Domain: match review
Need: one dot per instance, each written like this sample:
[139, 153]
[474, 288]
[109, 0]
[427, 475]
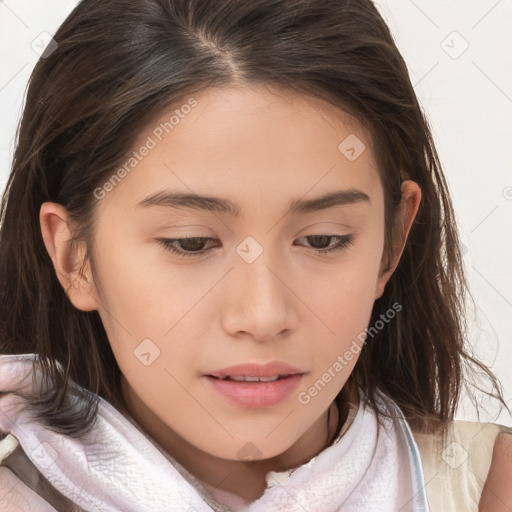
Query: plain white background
[458, 53]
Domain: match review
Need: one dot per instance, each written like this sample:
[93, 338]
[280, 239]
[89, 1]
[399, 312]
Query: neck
[221, 477]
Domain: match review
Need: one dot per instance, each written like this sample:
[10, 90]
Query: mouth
[267, 372]
[254, 386]
[245, 378]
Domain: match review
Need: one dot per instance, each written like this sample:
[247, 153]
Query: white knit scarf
[115, 467]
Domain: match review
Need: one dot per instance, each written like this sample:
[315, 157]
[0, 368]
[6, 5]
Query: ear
[67, 261]
[407, 210]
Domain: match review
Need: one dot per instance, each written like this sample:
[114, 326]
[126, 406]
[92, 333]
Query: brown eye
[186, 246]
[322, 243]
[192, 244]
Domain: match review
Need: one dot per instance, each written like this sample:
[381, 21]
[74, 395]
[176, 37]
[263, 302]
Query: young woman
[230, 276]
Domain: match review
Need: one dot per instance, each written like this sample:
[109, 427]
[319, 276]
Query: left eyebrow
[172, 199]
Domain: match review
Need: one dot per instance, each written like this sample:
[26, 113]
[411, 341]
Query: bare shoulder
[497, 491]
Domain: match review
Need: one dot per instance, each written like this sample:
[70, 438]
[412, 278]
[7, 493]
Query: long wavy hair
[118, 64]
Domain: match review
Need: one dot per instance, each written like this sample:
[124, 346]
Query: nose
[260, 303]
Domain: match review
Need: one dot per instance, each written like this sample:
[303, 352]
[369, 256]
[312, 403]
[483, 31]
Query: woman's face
[241, 171]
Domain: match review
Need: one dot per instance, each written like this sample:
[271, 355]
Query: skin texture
[260, 147]
[497, 491]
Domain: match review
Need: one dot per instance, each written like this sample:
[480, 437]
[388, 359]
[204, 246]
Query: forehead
[261, 108]
[252, 144]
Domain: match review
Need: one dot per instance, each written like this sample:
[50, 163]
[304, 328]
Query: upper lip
[256, 370]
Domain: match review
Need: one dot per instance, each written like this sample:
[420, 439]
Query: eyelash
[168, 243]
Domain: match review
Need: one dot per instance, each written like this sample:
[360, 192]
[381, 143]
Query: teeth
[269, 379]
[255, 379]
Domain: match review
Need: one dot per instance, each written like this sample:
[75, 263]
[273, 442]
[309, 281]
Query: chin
[250, 451]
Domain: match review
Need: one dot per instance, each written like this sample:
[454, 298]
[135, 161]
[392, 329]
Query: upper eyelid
[348, 236]
[174, 238]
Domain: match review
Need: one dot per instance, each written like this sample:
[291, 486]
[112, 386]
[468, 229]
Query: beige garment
[455, 472]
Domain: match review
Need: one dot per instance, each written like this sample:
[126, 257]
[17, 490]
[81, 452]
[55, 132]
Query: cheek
[346, 312]
[343, 299]
[145, 299]
[344, 294]
[134, 281]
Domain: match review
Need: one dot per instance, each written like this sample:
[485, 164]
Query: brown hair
[117, 65]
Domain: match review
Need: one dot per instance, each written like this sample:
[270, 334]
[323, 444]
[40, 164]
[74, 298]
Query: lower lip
[256, 395]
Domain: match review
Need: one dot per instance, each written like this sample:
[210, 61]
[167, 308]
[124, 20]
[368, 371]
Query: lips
[256, 386]
[251, 379]
[273, 369]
